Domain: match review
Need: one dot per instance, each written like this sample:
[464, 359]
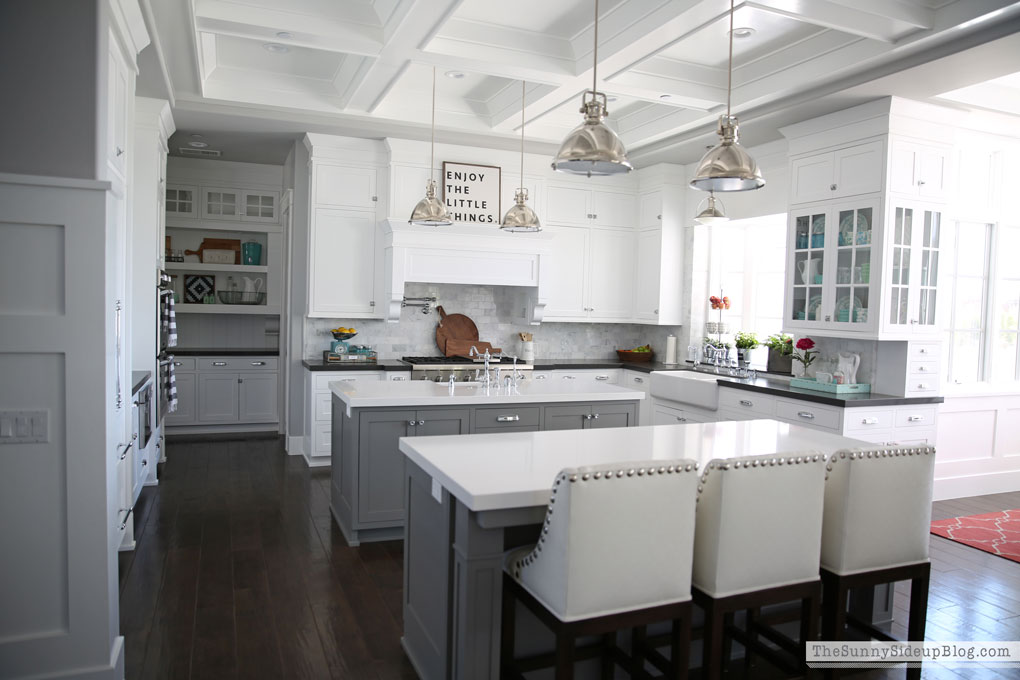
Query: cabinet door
[856, 239]
[811, 178]
[612, 415]
[571, 205]
[899, 299]
[261, 206]
[217, 397]
[342, 273]
[453, 421]
[805, 272]
[647, 277]
[221, 204]
[181, 200]
[566, 417]
[858, 169]
[917, 169]
[381, 465]
[117, 113]
[932, 172]
[611, 272]
[612, 209]
[665, 415]
[341, 186]
[257, 402]
[187, 401]
[650, 211]
[568, 291]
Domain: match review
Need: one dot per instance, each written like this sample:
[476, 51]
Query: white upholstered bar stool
[614, 553]
[756, 543]
[875, 531]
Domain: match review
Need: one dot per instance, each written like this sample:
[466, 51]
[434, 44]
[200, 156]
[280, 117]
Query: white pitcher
[808, 269]
[251, 286]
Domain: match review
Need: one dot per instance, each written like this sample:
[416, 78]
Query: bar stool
[875, 530]
[614, 553]
[756, 542]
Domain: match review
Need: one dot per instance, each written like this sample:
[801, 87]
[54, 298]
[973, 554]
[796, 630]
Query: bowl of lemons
[343, 333]
[638, 354]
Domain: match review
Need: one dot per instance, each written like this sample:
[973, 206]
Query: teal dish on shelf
[831, 388]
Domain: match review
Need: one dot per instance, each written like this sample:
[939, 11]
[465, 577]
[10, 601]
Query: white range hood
[465, 254]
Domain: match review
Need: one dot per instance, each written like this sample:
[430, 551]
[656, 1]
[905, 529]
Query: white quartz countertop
[514, 470]
[374, 393]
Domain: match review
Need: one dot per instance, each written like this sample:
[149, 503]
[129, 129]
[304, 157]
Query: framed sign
[472, 193]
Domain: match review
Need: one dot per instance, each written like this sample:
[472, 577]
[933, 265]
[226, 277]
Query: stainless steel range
[439, 369]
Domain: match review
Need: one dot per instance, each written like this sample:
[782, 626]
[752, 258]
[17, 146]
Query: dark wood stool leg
[637, 651]
[918, 613]
[564, 655]
[711, 663]
[727, 641]
[506, 636]
[809, 607]
[680, 646]
[834, 595]
[752, 635]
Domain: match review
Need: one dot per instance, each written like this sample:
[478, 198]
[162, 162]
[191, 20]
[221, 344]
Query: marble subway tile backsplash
[498, 312]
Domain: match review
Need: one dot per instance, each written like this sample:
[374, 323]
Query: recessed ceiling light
[665, 96]
[456, 75]
[284, 35]
[611, 98]
[198, 145]
[276, 48]
[743, 32]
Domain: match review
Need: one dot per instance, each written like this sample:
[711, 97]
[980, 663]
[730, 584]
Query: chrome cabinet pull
[120, 151]
[602, 377]
[123, 523]
[920, 182]
[745, 402]
[869, 421]
[178, 363]
[922, 351]
[219, 363]
[806, 414]
[595, 416]
[832, 187]
[921, 369]
[412, 422]
[144, 462]
[587, 416]
[541, 377]
[421, 422]
[914, 419]
[508, 419]
[568, 377]
[681, 419]
[639, 380]
[127, 447]
[258, 363]
[398, 377]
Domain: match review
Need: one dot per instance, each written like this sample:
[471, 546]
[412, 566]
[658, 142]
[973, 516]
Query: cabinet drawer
[237, 363]
[918, 416]
[322, 380]
[322, 438]
[637, 382]
[507, 417]
[924, 351]
[860, 421]
[923, 385]
[184, 363]
[807, 413]
[924, 368]
[398, 376]
[323, 406]
[743, 401]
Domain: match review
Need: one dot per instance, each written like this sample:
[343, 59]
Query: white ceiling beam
[352, 69]
[653, 123]
[903, 11]
[838, 17]
[348, 42]
[506, 103]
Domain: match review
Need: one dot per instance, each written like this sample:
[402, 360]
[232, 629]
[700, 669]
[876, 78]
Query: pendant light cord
[729, 76]
[595, 67]
[432, 166]
[522, 134]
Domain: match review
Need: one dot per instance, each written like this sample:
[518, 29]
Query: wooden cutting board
[462, 348]
[455, 326]
[218, 244]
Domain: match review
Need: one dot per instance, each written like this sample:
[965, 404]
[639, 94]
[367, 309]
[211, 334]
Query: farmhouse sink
[687, 387]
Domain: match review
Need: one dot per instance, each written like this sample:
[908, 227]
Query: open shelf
[185, 308]
[228, 268]
[222, 225]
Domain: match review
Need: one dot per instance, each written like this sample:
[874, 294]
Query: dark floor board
[241, 572]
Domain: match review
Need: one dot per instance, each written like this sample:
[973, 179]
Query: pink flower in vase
[806, 356]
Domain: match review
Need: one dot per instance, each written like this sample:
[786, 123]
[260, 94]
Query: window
[984, 287]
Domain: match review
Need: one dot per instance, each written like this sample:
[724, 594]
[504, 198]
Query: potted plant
[780, 353]
[745, 342]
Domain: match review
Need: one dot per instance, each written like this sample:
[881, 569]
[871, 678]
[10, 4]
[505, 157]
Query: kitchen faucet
[473, 352]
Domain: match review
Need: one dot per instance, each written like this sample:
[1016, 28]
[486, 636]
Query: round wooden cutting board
[455, 326]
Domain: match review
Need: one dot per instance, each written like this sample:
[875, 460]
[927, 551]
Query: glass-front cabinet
[911, 296]
[830, 283]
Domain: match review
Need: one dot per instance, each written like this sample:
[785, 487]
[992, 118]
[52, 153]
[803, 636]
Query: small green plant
[781, 344]
[745, 340]
[718, 344]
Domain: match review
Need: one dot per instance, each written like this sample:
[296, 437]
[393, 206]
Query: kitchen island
[367, 496]
[469, 499]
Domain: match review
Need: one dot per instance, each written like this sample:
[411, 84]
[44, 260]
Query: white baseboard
[976, 485]
[318, 461]
[295, 445]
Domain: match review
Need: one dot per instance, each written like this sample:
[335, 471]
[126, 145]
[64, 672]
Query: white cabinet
[593, 274]
[607, 376]
[202, 201]
[341, 264]
[260, 206]
[849, 171]
[567, 204]
[119, 97]
[911, 274]
[341, 186]
[659, 267]
[672, 413]
[917, 169]
[319, 423]
[221, 203]
[182, 200]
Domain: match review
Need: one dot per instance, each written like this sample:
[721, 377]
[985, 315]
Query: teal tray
[832, 388]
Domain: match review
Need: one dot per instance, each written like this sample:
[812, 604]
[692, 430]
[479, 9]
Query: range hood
[465, 254]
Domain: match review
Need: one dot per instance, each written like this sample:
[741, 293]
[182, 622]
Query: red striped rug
[995, 532]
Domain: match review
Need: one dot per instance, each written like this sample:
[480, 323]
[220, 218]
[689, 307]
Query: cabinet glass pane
[180, 200]
[900, 275]
[221, 203]
[853, 266]
[258, 206]
[929, 267]
[809, 270]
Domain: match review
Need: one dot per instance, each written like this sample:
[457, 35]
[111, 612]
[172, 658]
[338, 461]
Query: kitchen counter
[425, 393]
[568, 364]
[782, 388]
[387, 365]
[222, 352]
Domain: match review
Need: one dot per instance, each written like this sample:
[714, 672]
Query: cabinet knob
[832, 187]
[421, 422]
[589, 216]
[746, 402]
[658, 217]
[920, 182]
[120, 151]
[375, 199]
[371, 303]
[639, 380]
[595, 416]
[681, 419]
[828, 318]
[412, 423]
[239, 381]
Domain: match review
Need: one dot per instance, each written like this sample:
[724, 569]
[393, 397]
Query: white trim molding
[978, 446]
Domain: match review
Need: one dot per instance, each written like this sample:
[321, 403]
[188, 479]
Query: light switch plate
[24, 427]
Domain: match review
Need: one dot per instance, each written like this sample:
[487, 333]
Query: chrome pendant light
[592, 148]
[714, 212]
[520, 217]
[430, 211]
[727, 166]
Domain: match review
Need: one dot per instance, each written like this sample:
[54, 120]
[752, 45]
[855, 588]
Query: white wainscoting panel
[978, 446]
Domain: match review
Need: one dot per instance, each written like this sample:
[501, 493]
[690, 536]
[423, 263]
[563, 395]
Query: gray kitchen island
[367, 496]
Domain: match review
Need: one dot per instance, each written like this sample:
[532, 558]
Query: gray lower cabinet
[368, 479]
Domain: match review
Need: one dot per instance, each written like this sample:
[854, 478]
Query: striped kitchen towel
[168, 324]
[170, 385]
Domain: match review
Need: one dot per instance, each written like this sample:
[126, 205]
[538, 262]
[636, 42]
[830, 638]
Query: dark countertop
[386, 365]
[221, 352]
[138, 380]
[781, 388]
[567, 364]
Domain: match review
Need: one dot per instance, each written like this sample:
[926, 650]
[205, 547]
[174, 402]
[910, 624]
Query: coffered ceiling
[364, 67]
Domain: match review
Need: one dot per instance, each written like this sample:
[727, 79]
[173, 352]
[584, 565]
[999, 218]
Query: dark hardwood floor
[240, 572]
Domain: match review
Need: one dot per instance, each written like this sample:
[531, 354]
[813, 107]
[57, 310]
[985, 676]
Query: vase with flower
[806, 354]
